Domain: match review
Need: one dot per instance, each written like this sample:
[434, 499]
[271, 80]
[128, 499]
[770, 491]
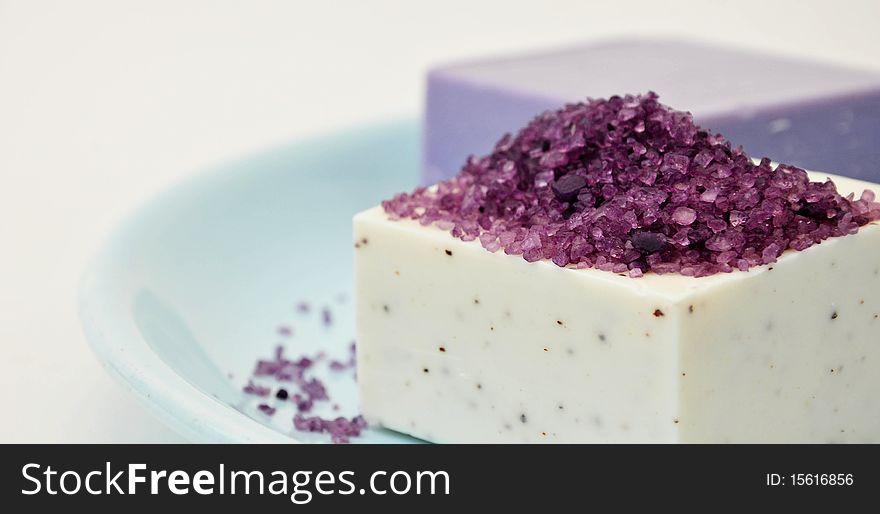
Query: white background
[102, 104]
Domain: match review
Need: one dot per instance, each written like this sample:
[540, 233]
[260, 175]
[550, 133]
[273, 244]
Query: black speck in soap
[386, 308]
[658, 313]
[602, 337]
[442, 349]
[476, 301]
[690, 309]
[560, 407]
[834, 315]
[449, 253]
[522, 418]
[425, 370]
[559, 322]
[479, 386]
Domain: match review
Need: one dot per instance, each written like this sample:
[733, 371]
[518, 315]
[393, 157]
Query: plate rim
[186, 409]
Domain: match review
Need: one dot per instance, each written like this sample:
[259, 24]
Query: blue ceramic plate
[191, 290]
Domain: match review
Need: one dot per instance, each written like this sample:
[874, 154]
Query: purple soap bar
[813, 115]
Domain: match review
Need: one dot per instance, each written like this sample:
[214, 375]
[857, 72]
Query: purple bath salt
[813, 115]
[266, 409]
[628, 184]
[315, 389]
[340, 429]
[282, 368]
[336, 365]
[303, 403]
[305, 391]
[256, 389]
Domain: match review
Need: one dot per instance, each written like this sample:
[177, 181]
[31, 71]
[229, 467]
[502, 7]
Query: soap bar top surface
[672, 287]
[628, 184]
[702, 78]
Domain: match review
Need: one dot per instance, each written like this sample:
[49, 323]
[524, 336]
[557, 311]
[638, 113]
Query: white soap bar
[457, 344]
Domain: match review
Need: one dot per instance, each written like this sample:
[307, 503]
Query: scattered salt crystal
[256, 389]
[684, 215]
[340, 429]
[770, 253]
[567, 187]
[709, 195]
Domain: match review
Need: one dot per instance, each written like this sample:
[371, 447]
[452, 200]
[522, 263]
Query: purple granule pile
[629, 185]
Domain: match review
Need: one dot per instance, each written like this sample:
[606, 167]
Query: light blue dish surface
[190, 291]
